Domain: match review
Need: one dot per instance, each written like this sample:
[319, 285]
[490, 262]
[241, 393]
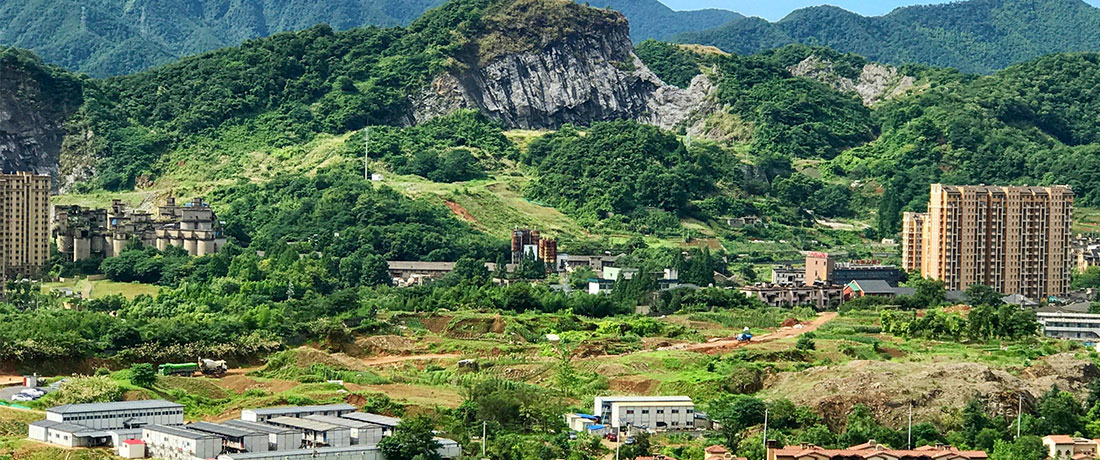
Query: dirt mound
[240, 383]
[789, 322]
[634, 385]
[888, 387]
[386, 345]
[461, 212]
[436, 324]
[305, 356]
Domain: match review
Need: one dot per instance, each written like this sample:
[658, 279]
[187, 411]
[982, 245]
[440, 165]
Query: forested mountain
[977, 36]
[114, 37]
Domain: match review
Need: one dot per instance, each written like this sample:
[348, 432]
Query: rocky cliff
[577, 78]
[876, 82]
[35, 103]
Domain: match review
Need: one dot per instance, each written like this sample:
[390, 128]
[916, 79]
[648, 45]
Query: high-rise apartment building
[1014, 239]
[24, 224]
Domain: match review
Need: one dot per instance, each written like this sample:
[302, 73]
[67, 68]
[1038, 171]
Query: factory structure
[528, 243]
[83, 233]
[155, 428]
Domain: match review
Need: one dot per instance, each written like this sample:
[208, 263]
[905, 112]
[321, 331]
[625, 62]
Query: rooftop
[179, 432]
[373, 418]
[115, 406]
[259, 427]
[305, 424]
[321, 451]
[615, 399]
[341, 421]
[872, 449]
[299, 409]
[221, 430]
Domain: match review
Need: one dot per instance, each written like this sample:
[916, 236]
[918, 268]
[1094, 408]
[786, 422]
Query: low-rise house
[362, 433]
[132, 448]
[874, 288]
[870, 450]
[1060, 446]
[658, 413]
[234, 439]
[265, 414]
[388, 424]
[1083, 327]
[788, 275]
[315, 433]
[178, 443]
[581, 422]
[278, 437]
[817, 296]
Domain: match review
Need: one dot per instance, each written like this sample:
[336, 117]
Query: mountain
[978, 36]
[652, 19]
[115, 37]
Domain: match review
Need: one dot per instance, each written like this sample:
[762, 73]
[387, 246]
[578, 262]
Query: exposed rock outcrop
[875, 83]
[35, 103]
[577, 80]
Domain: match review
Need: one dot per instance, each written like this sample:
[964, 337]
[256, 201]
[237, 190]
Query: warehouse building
[234, 439]
[178, 443]
[388, 424]
[316, 434]
[278, 438]
[263, 415]
[362, 433]
[448, 450]
[646, 412]
[67, 434]
[118, 415]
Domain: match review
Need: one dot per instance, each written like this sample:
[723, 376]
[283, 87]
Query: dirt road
[730, 343]
[385, 360]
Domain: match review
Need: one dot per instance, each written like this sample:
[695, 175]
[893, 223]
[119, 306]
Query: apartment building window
[645, 411]
[630, 412]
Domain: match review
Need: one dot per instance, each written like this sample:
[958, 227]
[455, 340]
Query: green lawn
[104, 288]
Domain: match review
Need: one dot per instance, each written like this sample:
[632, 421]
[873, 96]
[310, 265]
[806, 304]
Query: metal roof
[71, 428]
[341, 421]
[299, 409]
[115, 406]
[260, 427]
[221, 430]
[300, 452]
[179, 432]
[305, 424]
[373, 418]
[615, 399]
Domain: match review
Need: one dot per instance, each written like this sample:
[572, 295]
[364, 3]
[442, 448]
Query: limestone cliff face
[875, 83]
[34, 106]
[578, 80]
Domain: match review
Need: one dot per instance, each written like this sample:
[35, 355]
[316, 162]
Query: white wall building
[278, 437]
[234, 439]
[362, 433]
[178, 443]
[646, 412]
[387, 423]
[316, 434]
[262, 415]
[116, 415]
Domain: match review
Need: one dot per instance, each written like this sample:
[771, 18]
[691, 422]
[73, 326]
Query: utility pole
[483, 440]
[910, 444]
[1019, 413]
[765, 432]
[366, 152]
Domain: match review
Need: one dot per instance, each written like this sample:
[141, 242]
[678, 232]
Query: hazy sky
[774, 10]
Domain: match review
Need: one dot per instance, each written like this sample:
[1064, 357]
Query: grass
[103, 288]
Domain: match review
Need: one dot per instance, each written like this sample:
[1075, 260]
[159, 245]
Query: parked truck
[209, 367]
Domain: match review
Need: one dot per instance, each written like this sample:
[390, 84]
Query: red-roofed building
[871, 450]
[717, 452]
[131, 448]
[1063, 446]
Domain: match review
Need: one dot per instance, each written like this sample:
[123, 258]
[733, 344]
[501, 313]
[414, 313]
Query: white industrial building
[263, 415]
[388, 424]
[102, 424]
[234, 439]
[362, 433]
[317, 434]
[646, 412]
[116, 415]
[448, 449]
[178, 443]
[278, 437]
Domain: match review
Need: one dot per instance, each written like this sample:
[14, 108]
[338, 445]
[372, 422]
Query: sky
[774, 10]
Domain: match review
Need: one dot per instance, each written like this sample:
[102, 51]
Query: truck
[744, 336]
[216, 368]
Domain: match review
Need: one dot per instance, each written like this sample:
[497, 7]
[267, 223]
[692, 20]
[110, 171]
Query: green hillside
[977, 36]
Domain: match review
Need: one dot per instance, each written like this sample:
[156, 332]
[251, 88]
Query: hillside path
[730, 343]
[384, 360]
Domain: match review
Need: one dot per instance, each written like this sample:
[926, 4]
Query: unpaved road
[730, 343]
[385, 360]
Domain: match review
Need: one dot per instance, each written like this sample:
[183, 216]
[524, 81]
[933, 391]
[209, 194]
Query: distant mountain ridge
[978, 36]
[115, 37]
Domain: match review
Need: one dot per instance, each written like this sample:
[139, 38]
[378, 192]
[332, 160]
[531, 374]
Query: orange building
[871, 451]
[1013, 239]
[24, 224]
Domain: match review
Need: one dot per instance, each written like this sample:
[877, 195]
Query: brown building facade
[1014, 239]
[24, 224]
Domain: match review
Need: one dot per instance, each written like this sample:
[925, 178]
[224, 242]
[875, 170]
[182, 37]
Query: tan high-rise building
[24, 224]
[1014, 239]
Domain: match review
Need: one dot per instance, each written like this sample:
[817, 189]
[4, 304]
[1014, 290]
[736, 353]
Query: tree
[928, 293]
[143, 375]
[1024, 448]
[412, 439]
[980, 294]
[1060, 412]
[470, 270]
[805, 342]
[736, 413]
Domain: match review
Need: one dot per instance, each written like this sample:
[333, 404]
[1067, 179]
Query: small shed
[132, 448]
